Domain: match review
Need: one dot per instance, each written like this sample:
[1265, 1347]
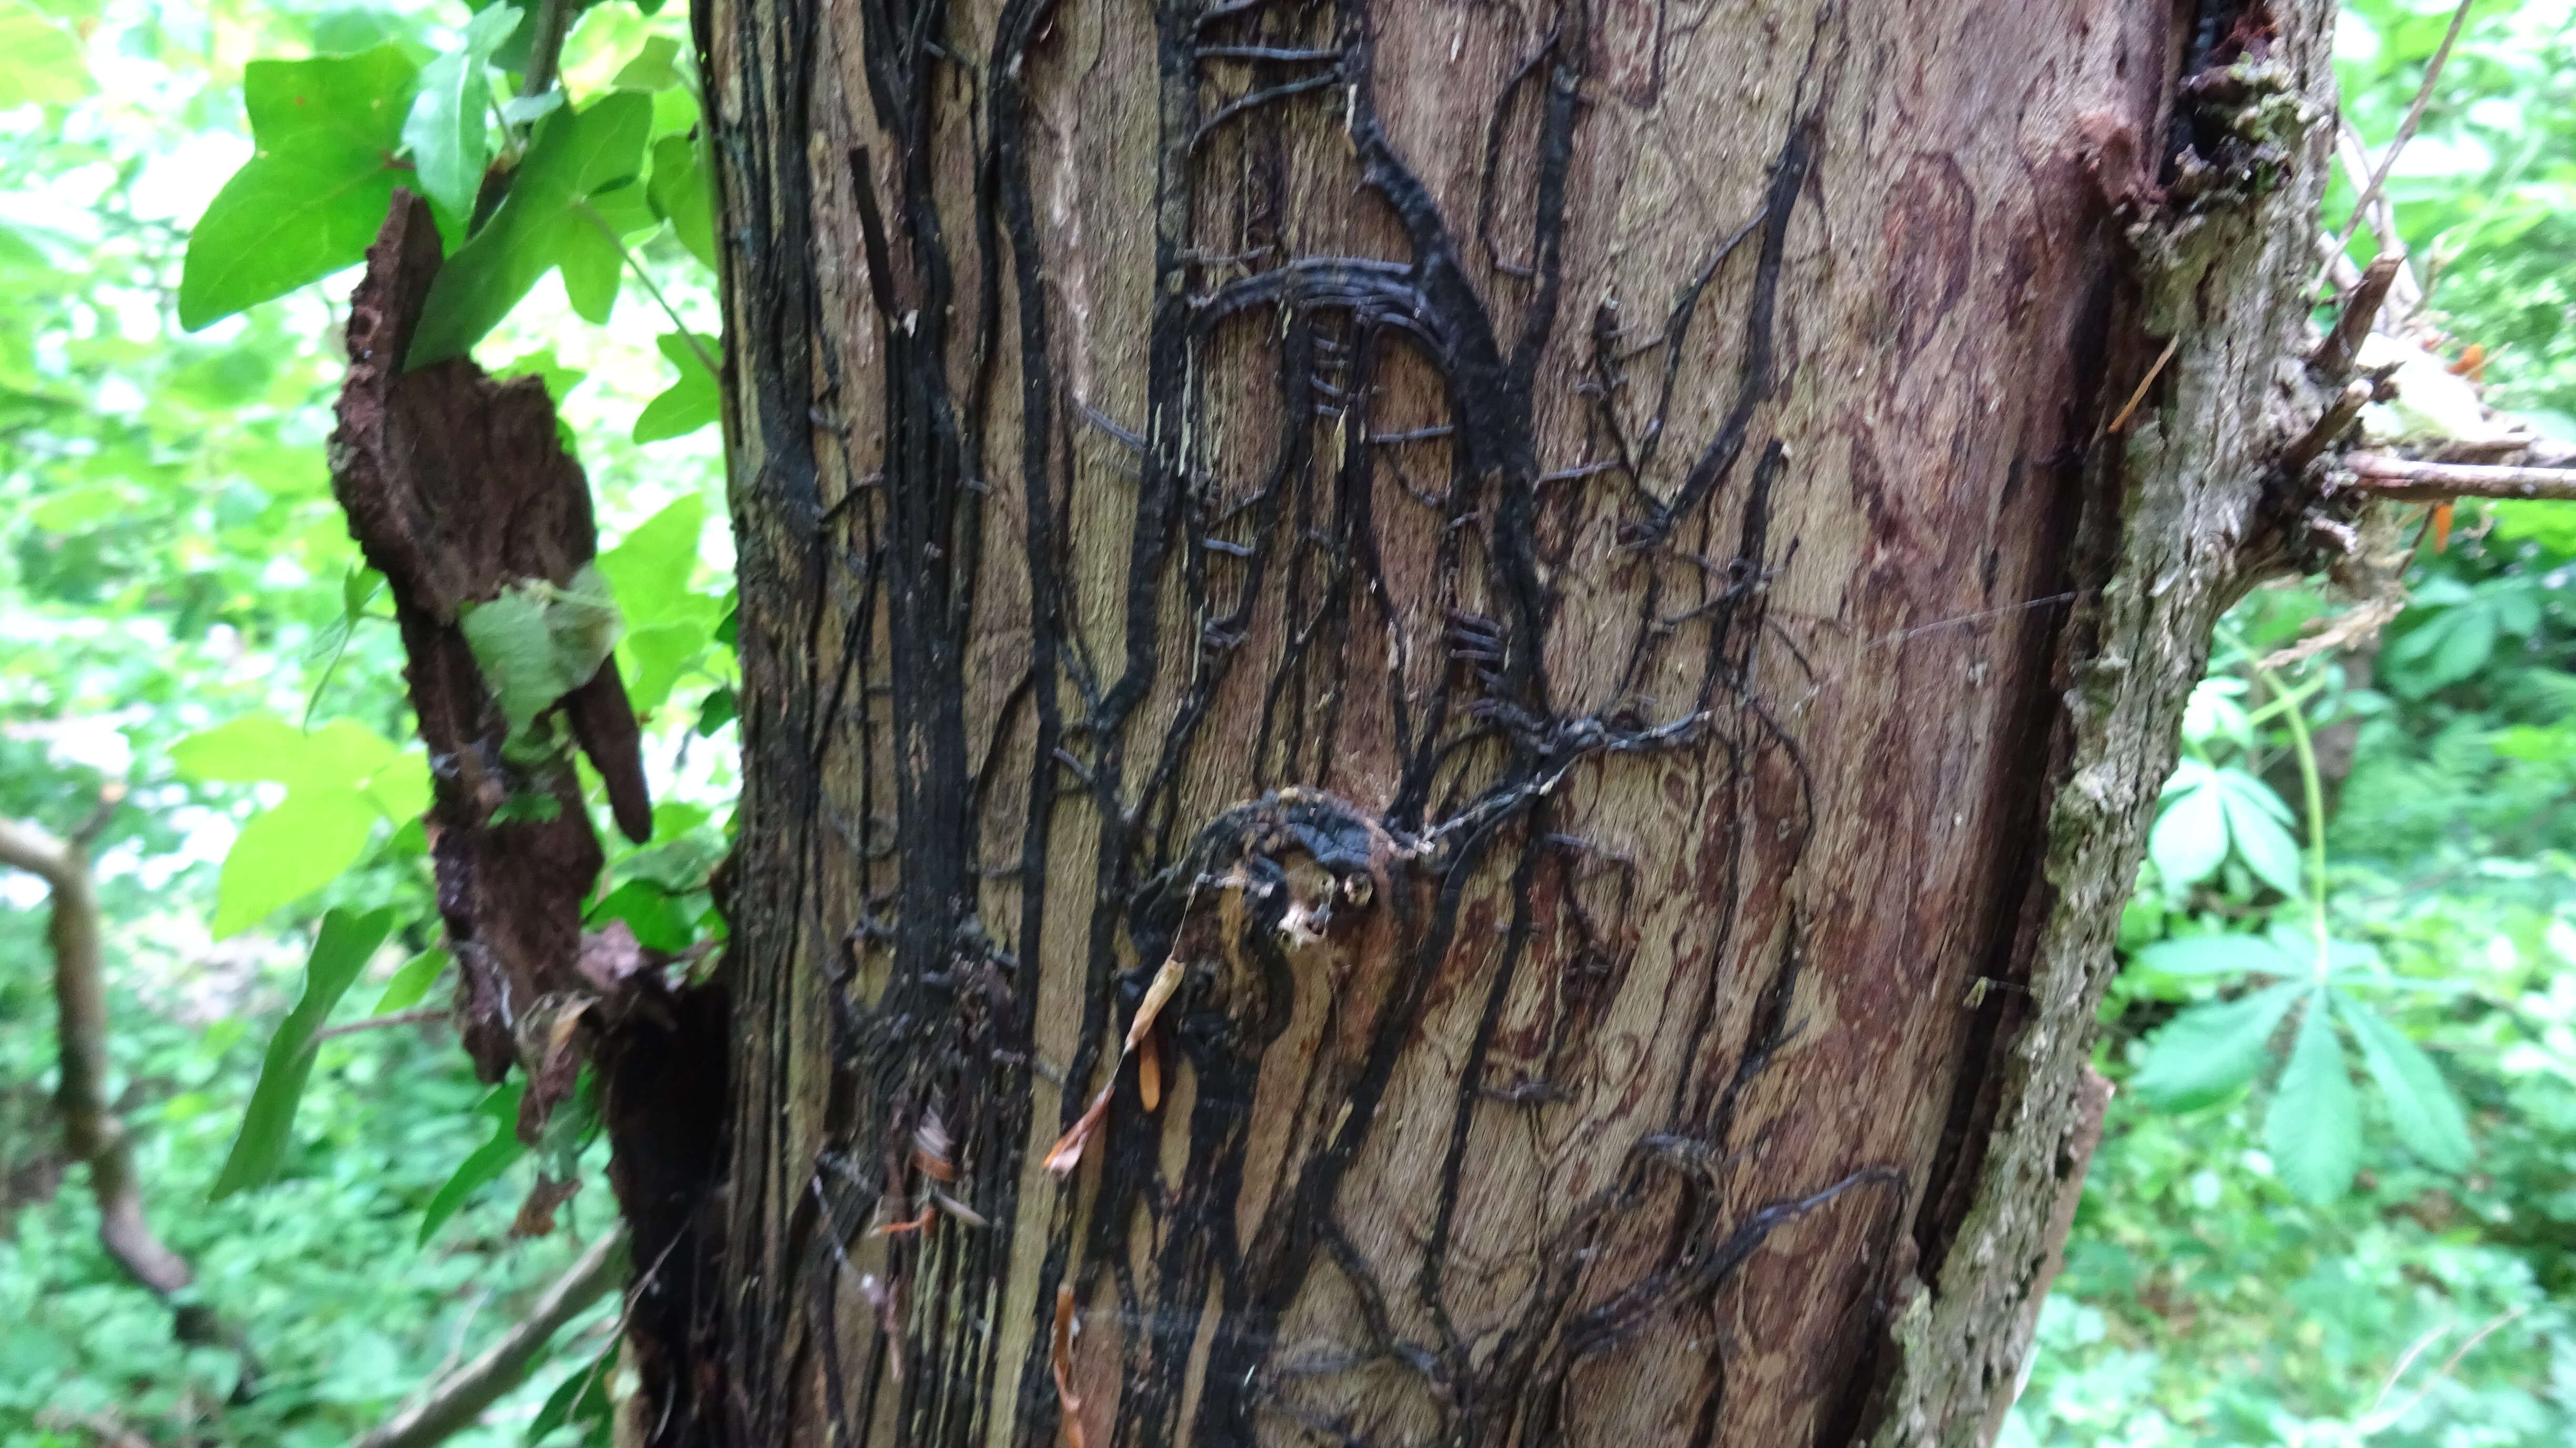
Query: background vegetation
[2337, 1196]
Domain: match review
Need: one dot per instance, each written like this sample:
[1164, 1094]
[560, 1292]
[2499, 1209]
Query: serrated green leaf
[485, 1165]
[447, 130]
[2266, 847]
[2425, 1114]
[716, 712]
[313, 197]
[2190, 836]
[690, 403]
[340, 951]
[2219, 955]
[40, 62]
[682, 194]
[572, 155]
[287, 853]
[2313, 1127]
[413, 981]
[2209, 1052]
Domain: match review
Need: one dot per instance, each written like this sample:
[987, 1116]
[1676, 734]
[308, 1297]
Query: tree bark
[1521, 630]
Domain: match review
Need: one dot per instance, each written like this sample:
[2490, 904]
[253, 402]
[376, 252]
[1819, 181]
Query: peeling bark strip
[1443, 726]
[456, 489]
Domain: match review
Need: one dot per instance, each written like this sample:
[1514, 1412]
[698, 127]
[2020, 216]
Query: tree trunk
[1540, 637]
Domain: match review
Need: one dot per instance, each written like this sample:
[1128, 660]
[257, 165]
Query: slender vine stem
[2313, 785]
[591, 213]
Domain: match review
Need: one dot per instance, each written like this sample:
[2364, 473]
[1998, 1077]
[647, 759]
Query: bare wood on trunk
[1520, 600]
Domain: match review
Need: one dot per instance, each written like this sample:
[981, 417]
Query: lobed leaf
[2313, 1127]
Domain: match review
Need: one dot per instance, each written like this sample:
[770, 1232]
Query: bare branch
[92, 1132]
[374, 1023]
[454, 1403]
[2411, 481]
[2336, 354]
[2406, 128]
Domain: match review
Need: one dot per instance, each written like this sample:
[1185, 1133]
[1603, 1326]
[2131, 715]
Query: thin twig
[92, 1132]
[2144, 383]
[586, 209]
[2406, 128]
[454, 1404]
[2410, 480]
[376, 1023]
[545, 46]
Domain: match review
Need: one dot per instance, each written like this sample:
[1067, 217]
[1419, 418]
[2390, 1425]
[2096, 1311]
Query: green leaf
[448, 130]
[2190, 837]
[340, 951]
[573, 155]
[650, 567]
[2209, 1052]
[2427, 1117]
[592, 264]
[2267, 847]
[2219, 955]
[579, 1401]
[313, 197]
[649, 911]
[412, 981]
[341, 754]
[718, 711]
[652, 68]
[537, 642]
[40, 62]
[2313, 1126]
[690, 403]
[682, 194]
[288, 853]
[486, 1164]
[661, 656]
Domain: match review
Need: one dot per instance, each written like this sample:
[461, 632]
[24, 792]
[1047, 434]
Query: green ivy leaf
[2426, 1116]
[682, 194]
[573, 155]
[340, 951]
[315, 194]
[2313, 1126]
[690, 403]
[487, 1162]
[2209, 1052]
[448, 130]
[413, 981]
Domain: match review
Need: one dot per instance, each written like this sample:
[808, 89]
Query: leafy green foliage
[313, 198]
[188, 618]
[574, 155]
[447, 131]
[340, 951]
[537, 642]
